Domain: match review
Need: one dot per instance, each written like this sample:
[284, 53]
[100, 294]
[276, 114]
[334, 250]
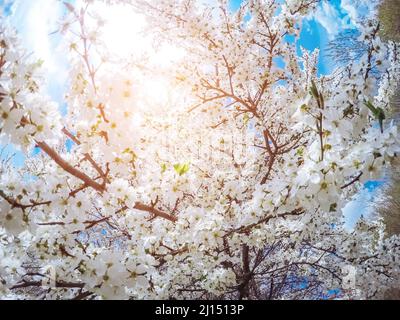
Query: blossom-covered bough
[229, 186]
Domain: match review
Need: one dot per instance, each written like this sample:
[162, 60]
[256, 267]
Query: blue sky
[35, 20]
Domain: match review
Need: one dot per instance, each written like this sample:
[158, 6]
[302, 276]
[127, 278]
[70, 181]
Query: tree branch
[70, 169]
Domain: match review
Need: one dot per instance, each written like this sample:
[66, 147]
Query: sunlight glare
[123, 35]
[122, 30]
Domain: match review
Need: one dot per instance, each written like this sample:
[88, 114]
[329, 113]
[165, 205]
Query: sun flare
[124, 35]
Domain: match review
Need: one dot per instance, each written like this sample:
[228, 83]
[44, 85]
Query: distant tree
[388, 204]
[346, 47]
[389, 16]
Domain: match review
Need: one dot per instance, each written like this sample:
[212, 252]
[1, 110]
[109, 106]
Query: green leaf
[370, 106]
[322, 100]
[314, 90]
[163, 168]
[39, 63]
[300, 151]
[378, 113]
[381, 116]
[246, 119]
[381, 113]
[304, 108]
[181, 169]
[73, 46]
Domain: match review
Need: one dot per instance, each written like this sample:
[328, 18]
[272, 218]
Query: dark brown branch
[88, 157]
[16, 204]
[247, 228]
[70, 169]
[71, 136]
[83, 295]
[152, 210]
[352, 181]
[59, 284]
[246, 274]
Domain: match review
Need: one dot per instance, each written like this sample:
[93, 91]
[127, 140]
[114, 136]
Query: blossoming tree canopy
[219, 174]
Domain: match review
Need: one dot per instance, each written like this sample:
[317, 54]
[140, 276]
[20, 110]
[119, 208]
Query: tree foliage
[389, 13]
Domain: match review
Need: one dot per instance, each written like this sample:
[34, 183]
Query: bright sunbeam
[123, 30]
[124, 36]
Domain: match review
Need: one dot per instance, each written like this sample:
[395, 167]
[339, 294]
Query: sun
[123, 29]
[125, 38]
[124, 34]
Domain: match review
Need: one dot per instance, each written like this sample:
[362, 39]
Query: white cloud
[349, 7]
[336, 18]
[35, 21]
[329, 17]
[356, 10]
[359, 206]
